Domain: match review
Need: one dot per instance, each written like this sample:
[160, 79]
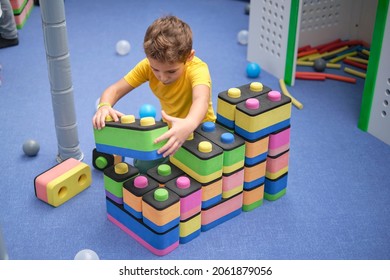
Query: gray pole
[3, 250]
[58, 63]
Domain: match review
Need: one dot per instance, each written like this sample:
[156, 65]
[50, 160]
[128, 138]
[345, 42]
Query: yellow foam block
[62, 182]
[189, 226]
[226, 109]
[276, 174]
[234, 167]
[263, 120]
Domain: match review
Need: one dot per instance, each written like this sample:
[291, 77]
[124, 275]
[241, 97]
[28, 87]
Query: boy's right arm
[108, 99]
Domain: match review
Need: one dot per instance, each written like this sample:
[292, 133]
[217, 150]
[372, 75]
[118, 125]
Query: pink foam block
[222, 209]
[276, 164]
[232, 181]
[17, 4]
[19, 19]
[279, 142]
[191, 201]
[190, 205]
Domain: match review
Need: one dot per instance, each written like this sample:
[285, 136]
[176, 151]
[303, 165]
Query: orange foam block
[253, 198]
[62, 182]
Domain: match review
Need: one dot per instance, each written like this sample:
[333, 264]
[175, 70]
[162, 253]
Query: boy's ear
[191, 55]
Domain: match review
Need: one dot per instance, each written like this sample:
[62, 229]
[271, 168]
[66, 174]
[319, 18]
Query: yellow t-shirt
[176, 98]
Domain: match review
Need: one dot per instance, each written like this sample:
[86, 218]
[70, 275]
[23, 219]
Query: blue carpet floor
[337, 204]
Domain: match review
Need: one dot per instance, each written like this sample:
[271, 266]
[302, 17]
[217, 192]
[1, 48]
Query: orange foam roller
[326, 75]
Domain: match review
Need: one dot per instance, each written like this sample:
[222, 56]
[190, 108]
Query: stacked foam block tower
[224, 168]
[256, 119]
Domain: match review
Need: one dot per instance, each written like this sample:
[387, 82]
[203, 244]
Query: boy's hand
[99, 119]
[177, 135]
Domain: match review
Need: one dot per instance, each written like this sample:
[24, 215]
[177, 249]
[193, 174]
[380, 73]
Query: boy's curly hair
[168, 39]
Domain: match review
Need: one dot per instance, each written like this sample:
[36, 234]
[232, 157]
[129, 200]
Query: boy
[179, 79]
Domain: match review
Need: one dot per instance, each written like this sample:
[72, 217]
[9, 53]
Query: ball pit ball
[147, 110]
[319, 65]
[86, 254]
[242, 37]
[247, 9]
[31, 147]
[123, 47]
[253, 70]
[97, 102]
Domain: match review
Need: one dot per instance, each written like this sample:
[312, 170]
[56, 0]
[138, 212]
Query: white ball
[123, 47]
[86, 254]
[97, 103]
[242, 37]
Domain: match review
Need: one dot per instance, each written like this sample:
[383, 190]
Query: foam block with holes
[65, 180]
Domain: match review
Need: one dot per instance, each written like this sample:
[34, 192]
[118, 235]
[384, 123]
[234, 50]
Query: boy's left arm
[182, 128]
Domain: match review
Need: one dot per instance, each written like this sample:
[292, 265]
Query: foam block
[62, 182]
[260, 116]
[131, 138]
[253, 198]
[274, 189]
[233, 146]
[21, 10]
[161, 209]
[227, 101]
[211, 193]
[190, 228]
[279, 141]
[254, 175]
[164, 173]
[190, 193]
[256, 151]
[200, 159]
[277, 165]
[159, 244]
[225, 210]
[101, 161]
[232, 183]
[133, 191]
[18, 5]
[115, 176]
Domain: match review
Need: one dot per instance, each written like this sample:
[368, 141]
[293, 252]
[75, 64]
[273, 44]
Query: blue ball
[147, 110]
[253, 70]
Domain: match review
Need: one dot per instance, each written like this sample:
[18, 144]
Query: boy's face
[167, 73]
